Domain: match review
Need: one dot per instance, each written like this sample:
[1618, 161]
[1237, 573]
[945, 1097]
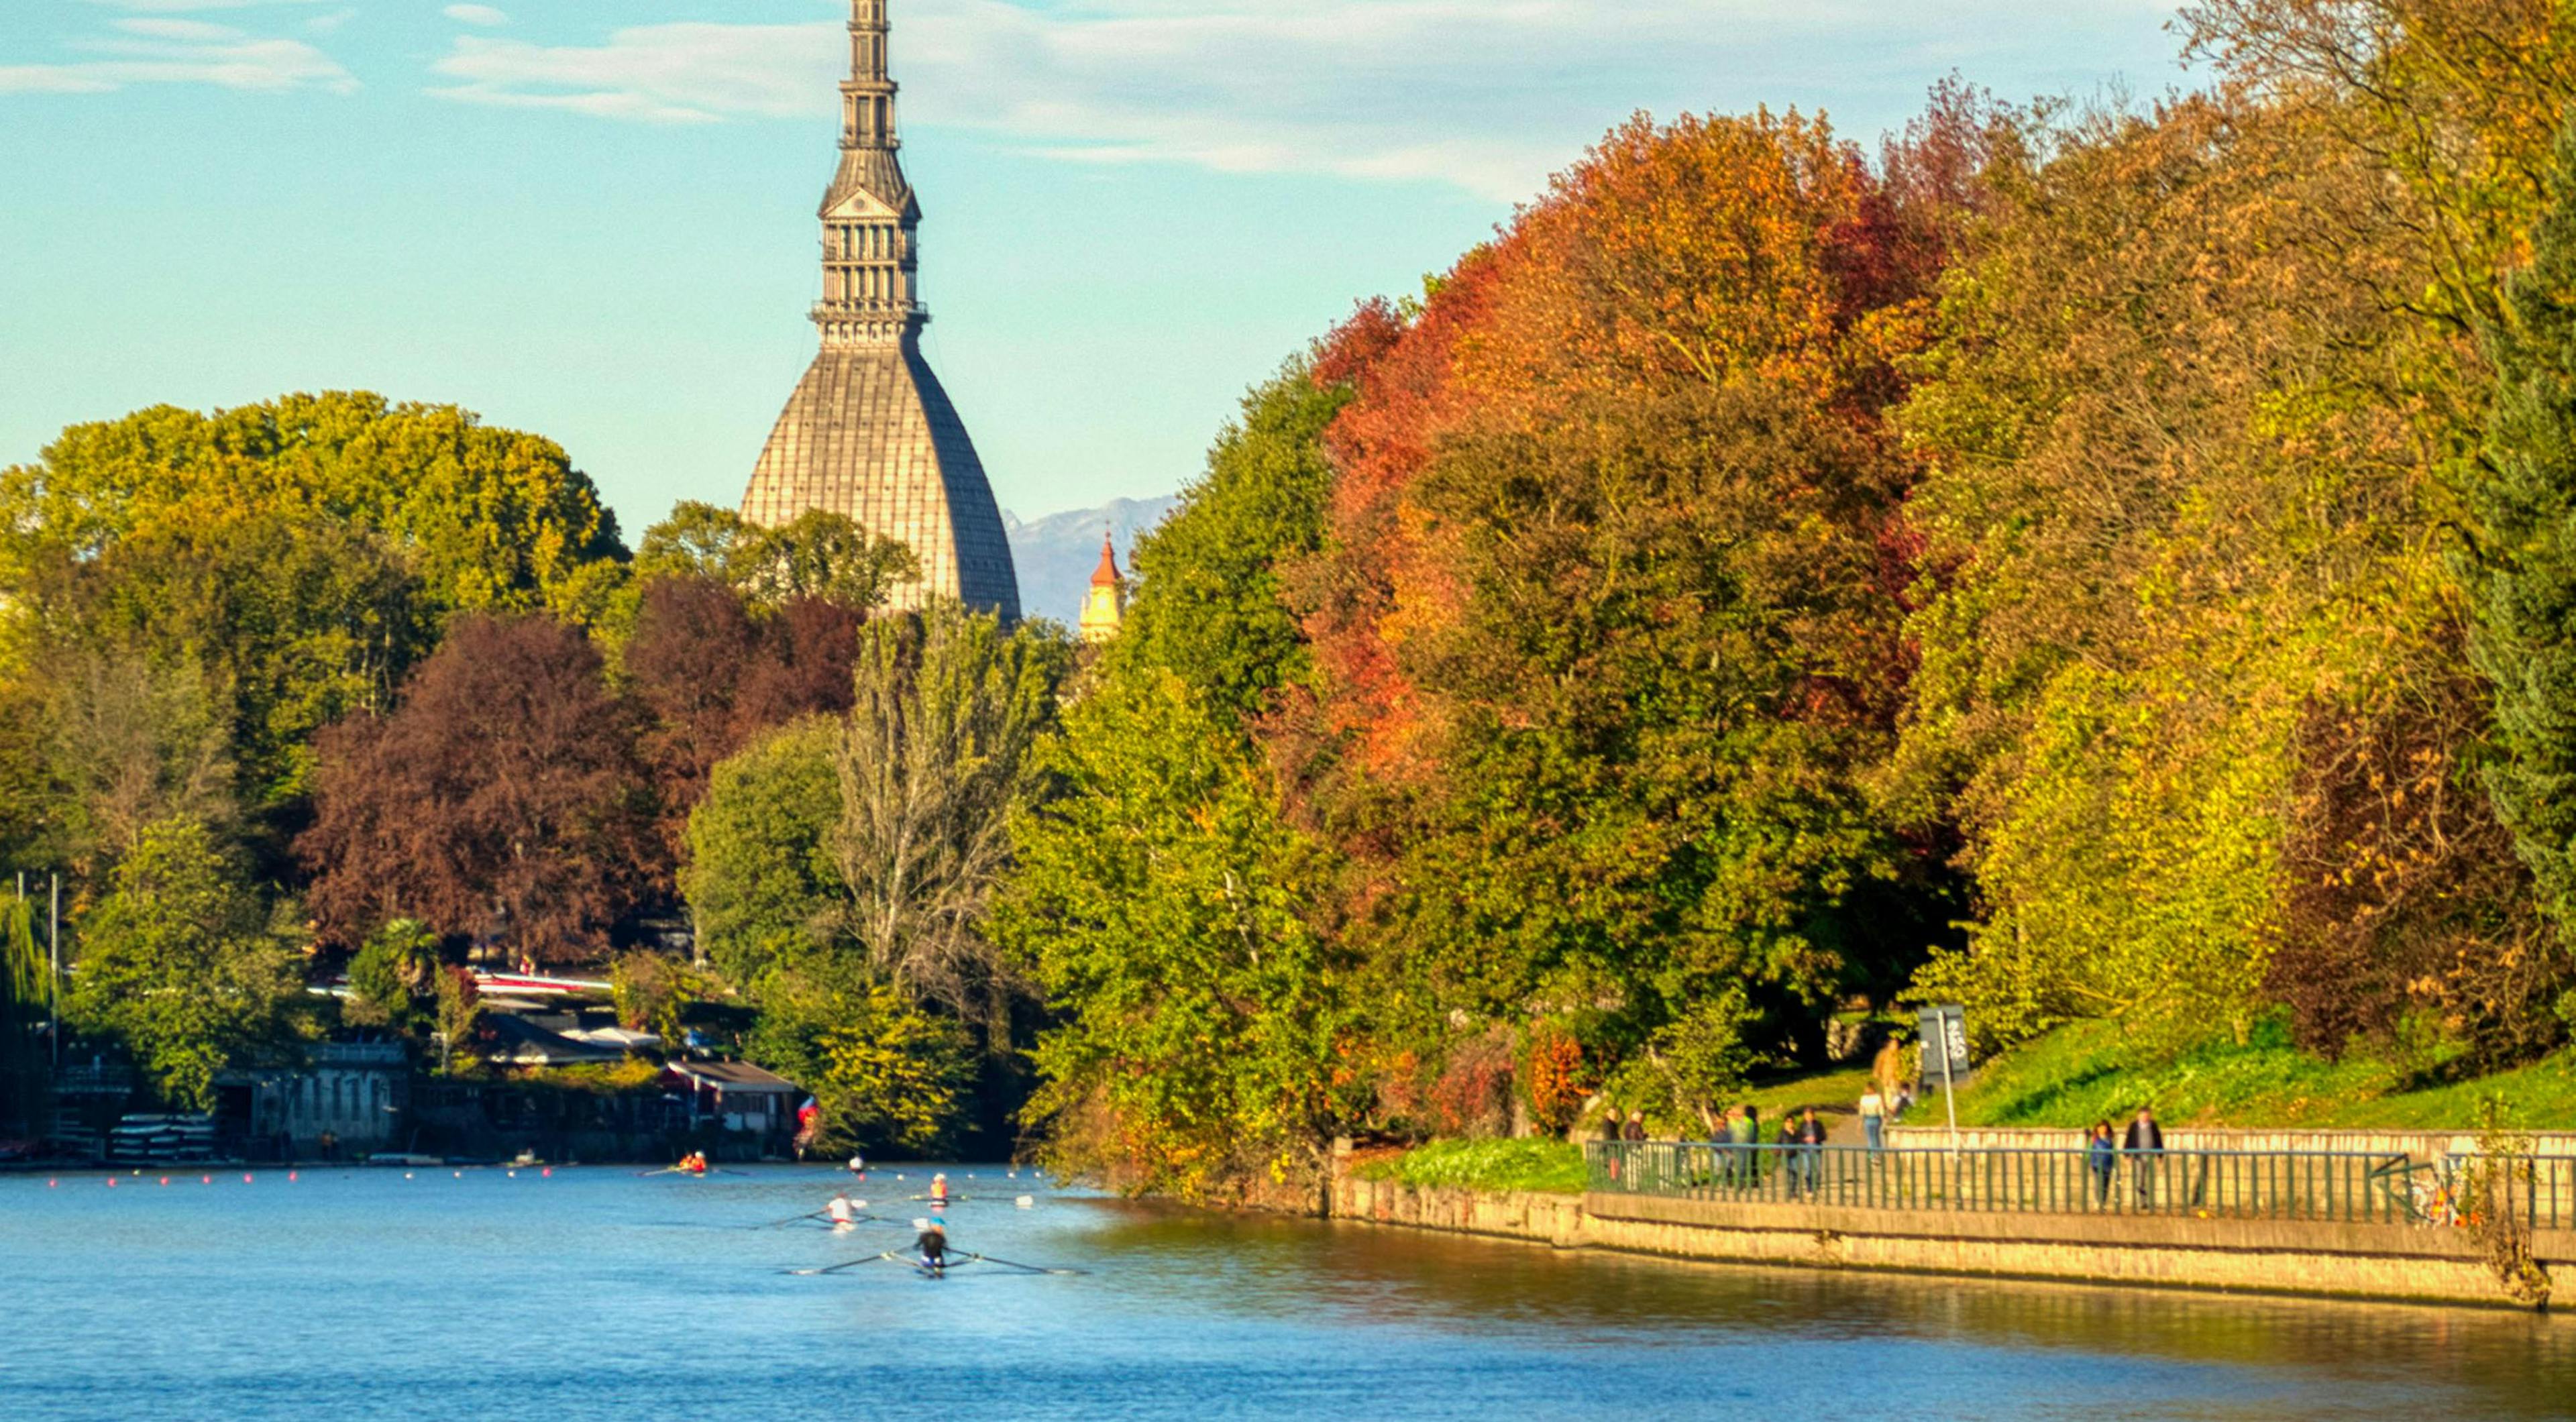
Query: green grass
[1548, 1166]
[2089, 1070]
[1826, 1091]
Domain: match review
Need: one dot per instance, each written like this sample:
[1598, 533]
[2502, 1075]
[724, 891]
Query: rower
[859, 1166]
[933, 1245]
[938, 1191]
[839, 1210]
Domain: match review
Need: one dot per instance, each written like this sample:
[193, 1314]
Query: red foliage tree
[502, 799]
[709, 672]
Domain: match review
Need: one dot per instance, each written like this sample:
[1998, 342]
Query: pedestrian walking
[1873, 1118]
[1810, 1134]
[2145, 1145]
[2101, 1157]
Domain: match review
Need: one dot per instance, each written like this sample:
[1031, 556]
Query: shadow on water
[2512, 1363]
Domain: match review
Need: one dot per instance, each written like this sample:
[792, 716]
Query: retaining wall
[2425, 1265]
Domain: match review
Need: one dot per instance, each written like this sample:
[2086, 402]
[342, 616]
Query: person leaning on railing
[2101, 1157]
[2145, 1145]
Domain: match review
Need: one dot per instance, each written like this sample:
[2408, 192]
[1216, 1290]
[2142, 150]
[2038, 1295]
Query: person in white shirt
[1873, 1116]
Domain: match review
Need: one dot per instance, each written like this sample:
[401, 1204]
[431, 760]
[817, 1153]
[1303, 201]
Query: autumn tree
[1606, 621]
[499, 801]
[709, 670]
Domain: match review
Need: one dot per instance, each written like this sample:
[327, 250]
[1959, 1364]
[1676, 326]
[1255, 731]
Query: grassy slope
[1550, 1166]
[2070, 1078]
[2087, 1071]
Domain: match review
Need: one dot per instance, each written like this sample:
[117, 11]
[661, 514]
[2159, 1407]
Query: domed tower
[869, 433]
[1106, 604]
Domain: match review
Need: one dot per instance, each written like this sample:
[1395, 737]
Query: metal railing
[2344, 1187]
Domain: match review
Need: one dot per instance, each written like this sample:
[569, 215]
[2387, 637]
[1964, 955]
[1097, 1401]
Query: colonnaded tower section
[869, 433]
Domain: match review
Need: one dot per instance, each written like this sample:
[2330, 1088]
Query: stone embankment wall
[2428, 1265]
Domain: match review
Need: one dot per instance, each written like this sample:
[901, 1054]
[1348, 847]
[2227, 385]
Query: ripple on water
[598, 1293]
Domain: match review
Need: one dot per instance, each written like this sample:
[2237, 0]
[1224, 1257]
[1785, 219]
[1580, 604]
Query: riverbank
[2183, 1248]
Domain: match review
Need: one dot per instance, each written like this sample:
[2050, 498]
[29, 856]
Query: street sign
[1944, 1034]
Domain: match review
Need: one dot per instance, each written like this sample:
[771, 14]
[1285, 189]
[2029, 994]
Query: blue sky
[594, 218]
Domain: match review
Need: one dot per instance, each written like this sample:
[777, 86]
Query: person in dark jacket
[2145, 1145]
[1811, 1147]
[2101, 1157]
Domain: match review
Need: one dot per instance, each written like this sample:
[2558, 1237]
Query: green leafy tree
[654, 993]
[934, 758]
[760, 879]
[1208, 601]
[886, 1072]
[25, 1000]
[493, 518]
[817, 554]
[460, 1020]
[393, 977]
[1159, 902]
[2525, 580]
[176, 963]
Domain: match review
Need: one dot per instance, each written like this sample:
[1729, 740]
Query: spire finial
[869, 212]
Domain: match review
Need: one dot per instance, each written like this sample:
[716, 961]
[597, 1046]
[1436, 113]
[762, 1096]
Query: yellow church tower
[1106, 603]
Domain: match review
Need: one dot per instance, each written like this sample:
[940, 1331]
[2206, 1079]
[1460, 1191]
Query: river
[598, 1293]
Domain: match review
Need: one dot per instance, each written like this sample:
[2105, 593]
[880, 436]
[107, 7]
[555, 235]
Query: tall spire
[870, 217]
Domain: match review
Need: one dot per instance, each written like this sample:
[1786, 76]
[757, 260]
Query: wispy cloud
[483, 15]
[679, 73]
[156, 47]
[1485, 95]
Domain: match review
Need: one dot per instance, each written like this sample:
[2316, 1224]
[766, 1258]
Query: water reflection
[596, 1294]
[2457, 1362]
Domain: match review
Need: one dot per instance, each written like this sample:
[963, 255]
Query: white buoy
[1026, 1202]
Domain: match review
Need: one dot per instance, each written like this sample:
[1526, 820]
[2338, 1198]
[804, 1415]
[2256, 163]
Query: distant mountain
[1056, 554]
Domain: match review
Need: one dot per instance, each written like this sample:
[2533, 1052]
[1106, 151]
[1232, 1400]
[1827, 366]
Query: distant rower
[839, 1210]
[938, 1190]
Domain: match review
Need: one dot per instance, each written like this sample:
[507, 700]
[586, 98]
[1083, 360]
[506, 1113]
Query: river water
[597, 1293]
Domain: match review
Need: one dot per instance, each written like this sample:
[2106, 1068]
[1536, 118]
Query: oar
[791, 1219]
[1027, 1268]
[847, 1264]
